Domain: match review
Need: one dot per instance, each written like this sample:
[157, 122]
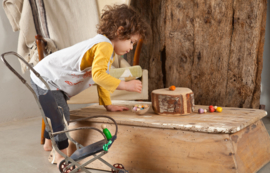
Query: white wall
[265, 95]
[16, 101]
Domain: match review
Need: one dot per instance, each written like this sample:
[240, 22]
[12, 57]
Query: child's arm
[105, 99]
[101, 59]
[114, 108]
[107, 83]
[103, 96]
[133, 85]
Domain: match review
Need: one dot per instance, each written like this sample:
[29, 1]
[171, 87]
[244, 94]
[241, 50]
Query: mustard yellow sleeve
[103, 96]
[106, 83]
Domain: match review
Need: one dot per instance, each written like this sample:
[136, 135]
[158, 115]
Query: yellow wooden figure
[219, 109]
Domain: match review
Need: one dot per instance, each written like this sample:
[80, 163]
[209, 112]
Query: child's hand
[134, 85]
[115, 108]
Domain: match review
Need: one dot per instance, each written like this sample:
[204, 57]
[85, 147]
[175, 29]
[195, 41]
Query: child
[73, 69]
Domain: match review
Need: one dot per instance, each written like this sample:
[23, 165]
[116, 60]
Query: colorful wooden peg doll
[219, 109]
[211, 108]
[200, 111]
[106, 132]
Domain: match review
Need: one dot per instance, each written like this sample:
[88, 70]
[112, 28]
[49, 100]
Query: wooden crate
[232, 141]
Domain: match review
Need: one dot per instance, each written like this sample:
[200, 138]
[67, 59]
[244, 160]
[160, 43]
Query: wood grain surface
[148, 150]
[231, 120]
[251, 147]
[177, 102]
[213, 47]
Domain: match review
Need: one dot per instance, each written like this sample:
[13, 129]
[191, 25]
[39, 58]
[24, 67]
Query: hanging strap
[39, 17]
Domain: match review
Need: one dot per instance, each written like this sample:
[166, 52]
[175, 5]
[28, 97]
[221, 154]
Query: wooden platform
[232, 141]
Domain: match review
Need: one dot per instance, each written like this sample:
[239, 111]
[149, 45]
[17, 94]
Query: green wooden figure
[106, 132]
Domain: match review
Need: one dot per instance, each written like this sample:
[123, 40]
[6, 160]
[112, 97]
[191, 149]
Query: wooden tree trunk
[214, 47]
[177, 102]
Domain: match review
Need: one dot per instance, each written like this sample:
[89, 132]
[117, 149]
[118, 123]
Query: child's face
[122, 47]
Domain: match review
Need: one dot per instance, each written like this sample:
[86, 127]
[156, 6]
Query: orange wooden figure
[172, 88]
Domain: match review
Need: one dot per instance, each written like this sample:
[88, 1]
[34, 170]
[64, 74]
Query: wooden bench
[235, 140]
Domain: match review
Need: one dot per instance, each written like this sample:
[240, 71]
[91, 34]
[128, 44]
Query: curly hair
[123, 16]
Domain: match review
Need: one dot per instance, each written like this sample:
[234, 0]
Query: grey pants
[61, 100]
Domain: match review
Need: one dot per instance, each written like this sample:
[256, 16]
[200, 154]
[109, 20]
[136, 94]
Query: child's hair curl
[122, 15]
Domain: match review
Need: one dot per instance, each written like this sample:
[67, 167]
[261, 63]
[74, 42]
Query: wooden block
[234, 141]
[148, 150]
[177, 102]
[251, 147]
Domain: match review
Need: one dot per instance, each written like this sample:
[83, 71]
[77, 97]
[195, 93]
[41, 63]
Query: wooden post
[40, 46]
[137, 52]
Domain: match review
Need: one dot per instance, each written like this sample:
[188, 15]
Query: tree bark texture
[177, 102]
[214, 47]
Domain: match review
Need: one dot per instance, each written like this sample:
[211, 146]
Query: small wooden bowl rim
[140, 112]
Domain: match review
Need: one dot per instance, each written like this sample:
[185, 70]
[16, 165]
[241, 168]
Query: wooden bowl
[140, 112]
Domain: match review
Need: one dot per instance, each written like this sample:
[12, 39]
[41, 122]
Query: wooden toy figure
[219, 109]
[211, 108]
[172, 88]
[106, 132]
[200, 111]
